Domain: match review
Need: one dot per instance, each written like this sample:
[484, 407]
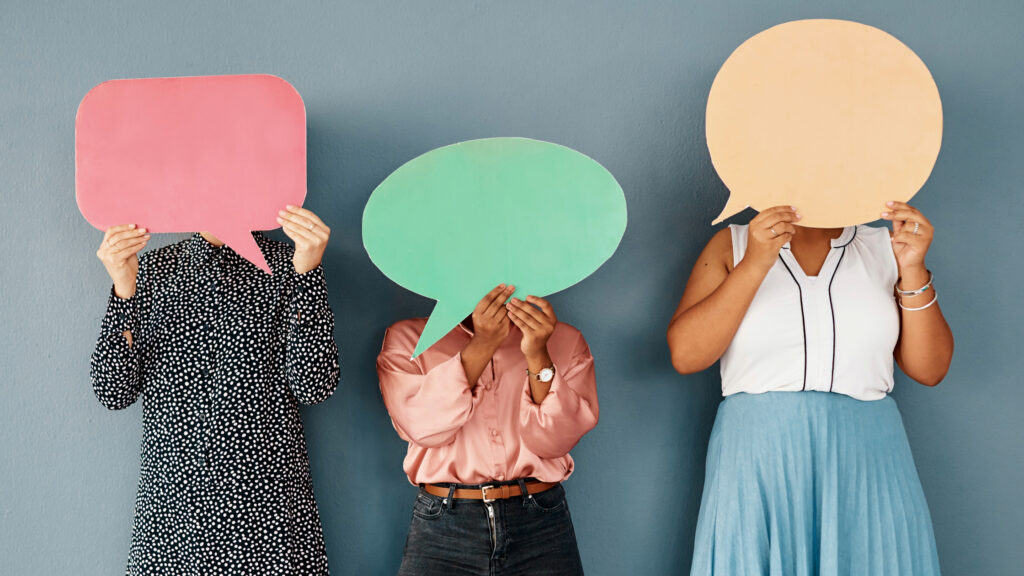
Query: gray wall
[624, 82]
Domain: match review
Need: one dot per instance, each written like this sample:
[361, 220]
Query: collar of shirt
[200, 251]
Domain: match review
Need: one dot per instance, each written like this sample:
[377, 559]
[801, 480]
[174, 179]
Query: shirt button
[494, 432]
[500, 476]
[487, 386]
[201, 461]
[205, 372]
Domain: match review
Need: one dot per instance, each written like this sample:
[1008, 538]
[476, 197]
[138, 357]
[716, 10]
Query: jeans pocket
[428, 506]
[551, 500]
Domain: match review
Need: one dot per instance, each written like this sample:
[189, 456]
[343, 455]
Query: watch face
[546, 375]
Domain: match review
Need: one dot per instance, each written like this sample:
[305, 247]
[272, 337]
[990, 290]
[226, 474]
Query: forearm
[535, 363]
[700, 334]
[925, 347]
[476, 355]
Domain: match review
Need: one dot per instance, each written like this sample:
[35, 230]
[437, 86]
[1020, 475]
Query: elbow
[687, 364]
[114, 401]
[432, 440]
[932, 380]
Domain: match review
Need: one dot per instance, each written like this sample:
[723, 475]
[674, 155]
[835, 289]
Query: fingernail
[793, 208]
[501, 285]
[885, 214]
[279, 220]
[131, 226]
[289, 206]
[281, 212]
[799, 215]
[889, 204]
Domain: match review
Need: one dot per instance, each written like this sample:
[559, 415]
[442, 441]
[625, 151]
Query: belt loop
[450, 500]
[522, 488]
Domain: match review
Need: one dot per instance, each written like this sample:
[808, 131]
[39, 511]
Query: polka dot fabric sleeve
[312, 354]
[115, 369]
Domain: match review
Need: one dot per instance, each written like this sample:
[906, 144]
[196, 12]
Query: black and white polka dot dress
[223, 354]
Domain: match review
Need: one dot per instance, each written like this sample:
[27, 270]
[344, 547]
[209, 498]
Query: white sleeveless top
[834, 332]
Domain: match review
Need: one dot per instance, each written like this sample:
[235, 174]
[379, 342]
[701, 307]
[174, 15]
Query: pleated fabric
[812, 483]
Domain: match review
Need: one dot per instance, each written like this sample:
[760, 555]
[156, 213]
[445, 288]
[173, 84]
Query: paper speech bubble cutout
[215, 153]
[457, 221]
[830, 116]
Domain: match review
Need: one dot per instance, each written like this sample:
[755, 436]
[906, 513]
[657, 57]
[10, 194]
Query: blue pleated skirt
[811, 483]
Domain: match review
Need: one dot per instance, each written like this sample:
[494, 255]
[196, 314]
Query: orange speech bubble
[830, 116]
[215, 153]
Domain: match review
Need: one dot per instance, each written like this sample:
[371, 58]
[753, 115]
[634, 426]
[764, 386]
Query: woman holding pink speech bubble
[490, 413]
[222, 354]
[809, 470]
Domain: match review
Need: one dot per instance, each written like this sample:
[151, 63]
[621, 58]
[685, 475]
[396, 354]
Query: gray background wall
[624, 82]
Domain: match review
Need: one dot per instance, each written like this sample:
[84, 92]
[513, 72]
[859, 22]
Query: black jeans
[531, 535]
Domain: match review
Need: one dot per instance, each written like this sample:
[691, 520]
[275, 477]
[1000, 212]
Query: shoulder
[873, 236]
[162, 256]
[404, 334]
[568, 338]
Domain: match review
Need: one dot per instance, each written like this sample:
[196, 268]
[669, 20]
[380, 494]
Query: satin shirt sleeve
[427, 407]
[552, 428]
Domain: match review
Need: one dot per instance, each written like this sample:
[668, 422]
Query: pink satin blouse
[491, 429]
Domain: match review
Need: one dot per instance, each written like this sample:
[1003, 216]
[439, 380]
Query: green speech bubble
[457, 221]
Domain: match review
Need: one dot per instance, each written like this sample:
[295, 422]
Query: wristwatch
[546, 375]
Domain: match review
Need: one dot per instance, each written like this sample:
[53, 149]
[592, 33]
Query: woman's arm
[924, 350]
[716, 298]
[116, 366]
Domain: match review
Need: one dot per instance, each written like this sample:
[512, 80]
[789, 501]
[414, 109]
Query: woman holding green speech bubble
[809, 470]
[490, 413]
[222, 354]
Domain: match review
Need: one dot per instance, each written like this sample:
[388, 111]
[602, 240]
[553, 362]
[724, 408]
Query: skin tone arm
[490, 328]
[717, 296]
[925, 347]
[119, 252]
[492, 319]
[536, 319]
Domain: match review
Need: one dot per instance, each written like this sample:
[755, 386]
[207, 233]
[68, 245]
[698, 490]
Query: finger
[777, 219]
[544, 305]
[118, 238]
[126, 251]
[496, 307]
[113, 229]
[905, 215]
[307, 214]
[297, 219]
[897, 205]
[521, 320]
[907, 237]
[771, 212]
[485, 302]
[298, 233]
[528, 312]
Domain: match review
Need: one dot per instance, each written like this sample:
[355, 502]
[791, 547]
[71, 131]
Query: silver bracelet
[921, 290]
[934, 299]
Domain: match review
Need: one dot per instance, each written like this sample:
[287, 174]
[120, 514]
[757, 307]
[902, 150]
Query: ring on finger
[774, 233]
[917, 226]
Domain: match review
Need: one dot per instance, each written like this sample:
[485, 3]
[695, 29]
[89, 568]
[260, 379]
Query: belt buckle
[483, 491]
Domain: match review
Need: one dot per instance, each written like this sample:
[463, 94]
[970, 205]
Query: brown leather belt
[489, 493]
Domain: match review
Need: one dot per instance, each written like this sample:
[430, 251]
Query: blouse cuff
[120, 315]
[309, 295]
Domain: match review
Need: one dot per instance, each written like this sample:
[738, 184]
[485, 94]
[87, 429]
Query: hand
[490, 323]
[119, 253]
[766, 235]
[536, 318]
[309, 233]
[910, 247]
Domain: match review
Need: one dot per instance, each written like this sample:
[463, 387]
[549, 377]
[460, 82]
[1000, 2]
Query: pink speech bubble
[215, 153]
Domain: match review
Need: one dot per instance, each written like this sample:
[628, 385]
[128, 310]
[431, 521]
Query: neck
[211, 238]
[815, 235]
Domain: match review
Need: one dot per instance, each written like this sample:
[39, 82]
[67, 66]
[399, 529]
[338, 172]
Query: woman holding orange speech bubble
[222, 354]
[490, 413]
[809, 470]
